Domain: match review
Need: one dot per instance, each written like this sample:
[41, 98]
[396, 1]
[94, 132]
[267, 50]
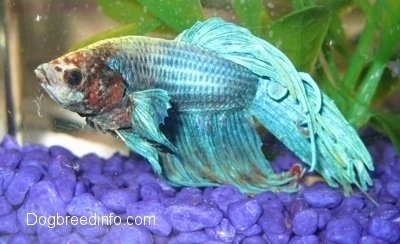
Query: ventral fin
[141, 146]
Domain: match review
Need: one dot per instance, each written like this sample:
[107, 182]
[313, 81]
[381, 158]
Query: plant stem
[359, 113]
[363, 51]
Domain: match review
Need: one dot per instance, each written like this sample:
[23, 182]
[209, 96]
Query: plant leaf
[388, 84]
[300, 35]
[389, 26]
[251, 14]
[125, 11]
[177, 14]
[389, 123]
[130, 29]
[384, 16]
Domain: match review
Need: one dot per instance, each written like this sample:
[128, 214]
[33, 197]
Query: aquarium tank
[263, 121]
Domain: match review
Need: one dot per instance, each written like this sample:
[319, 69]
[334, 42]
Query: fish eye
[73, 77]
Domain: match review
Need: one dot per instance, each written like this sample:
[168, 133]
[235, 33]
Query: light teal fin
[238, 45]
[342, 157]
[149, 110]
[209, 148]
[142, 147]
[221, 148]
[345, 159]
[289, 104]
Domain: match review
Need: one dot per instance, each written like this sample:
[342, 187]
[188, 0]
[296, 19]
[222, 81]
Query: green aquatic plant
[311, 33]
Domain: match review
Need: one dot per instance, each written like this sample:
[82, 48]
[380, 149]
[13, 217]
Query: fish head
[82, 82]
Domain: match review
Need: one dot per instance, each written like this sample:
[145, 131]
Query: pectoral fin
[149, 110]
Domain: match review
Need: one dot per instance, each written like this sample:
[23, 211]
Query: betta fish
[191, 106]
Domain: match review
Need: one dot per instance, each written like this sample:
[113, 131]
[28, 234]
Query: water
[33, 32]
[38, 31]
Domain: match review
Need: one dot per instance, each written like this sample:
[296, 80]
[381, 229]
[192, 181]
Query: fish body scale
[195, 79]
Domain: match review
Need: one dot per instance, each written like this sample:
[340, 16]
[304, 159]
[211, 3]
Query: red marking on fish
[297, 170]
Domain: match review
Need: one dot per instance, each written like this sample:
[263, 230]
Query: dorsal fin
[231, 42]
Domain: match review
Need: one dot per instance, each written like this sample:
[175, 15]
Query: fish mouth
[41, 75]
[46, 75]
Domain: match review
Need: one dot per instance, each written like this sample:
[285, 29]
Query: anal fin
[221, 148]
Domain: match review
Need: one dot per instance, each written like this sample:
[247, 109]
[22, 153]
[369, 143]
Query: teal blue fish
[191, 105]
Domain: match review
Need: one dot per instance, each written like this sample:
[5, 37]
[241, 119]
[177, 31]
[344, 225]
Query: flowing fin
[238, 45]
[342, 157]
[290, 105]
[345, 158]
[142, 147]
[209, 149]
[148, 112]
[221, 148]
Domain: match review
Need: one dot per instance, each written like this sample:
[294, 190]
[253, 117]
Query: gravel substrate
[40, 184]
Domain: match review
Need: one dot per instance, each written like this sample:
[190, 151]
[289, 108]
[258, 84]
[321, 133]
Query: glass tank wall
[350, 48]
[38, 31]
[34, 32]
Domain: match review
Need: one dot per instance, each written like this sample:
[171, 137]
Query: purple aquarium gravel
[244, 213]
[48, 195]
[305, 222]
[343, 230]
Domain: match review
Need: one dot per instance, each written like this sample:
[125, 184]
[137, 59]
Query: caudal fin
[290, 105]
[342, 158]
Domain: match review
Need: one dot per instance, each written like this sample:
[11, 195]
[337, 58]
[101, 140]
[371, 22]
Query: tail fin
[290, 105]
[342, 159]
